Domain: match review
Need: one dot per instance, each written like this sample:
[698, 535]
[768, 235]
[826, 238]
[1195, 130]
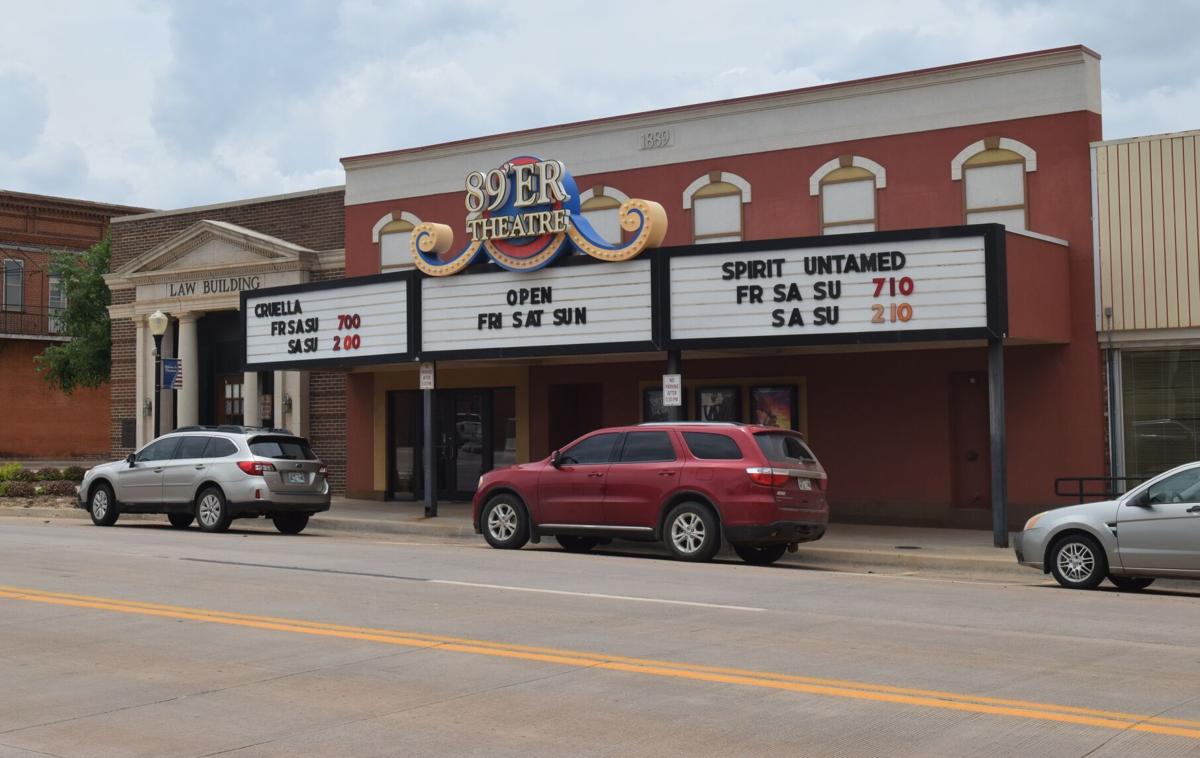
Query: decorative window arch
[993, 171]
[601, 206]
[716, 201]
[393, 233]
[847, 186]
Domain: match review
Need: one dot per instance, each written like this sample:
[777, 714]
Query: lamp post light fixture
[159, 322]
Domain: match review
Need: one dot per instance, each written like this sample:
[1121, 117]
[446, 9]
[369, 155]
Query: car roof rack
[692, 423]
[232, 429]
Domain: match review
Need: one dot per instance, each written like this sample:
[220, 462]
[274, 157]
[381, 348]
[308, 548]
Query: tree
[84, 361]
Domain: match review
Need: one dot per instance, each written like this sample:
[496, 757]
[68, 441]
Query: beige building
[1146, 206]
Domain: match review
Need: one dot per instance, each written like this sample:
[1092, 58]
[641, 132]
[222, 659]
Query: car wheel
[1077, 562]
[760, 555]
[103, 506]
[692, 532]
[505, 523]
[1131, 583]
[576, 544]
[212, 512]
[181, 520]
[290, 523]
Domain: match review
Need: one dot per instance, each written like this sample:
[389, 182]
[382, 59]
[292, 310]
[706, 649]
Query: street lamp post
[159, 322]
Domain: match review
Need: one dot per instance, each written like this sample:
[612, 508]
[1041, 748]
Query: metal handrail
[30, 320]
[1081, 490]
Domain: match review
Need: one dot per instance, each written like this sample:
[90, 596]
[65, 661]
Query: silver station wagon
[212, 474]
[1151, 531]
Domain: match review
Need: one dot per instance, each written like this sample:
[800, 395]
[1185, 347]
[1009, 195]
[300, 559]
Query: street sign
[172, 369]
[427, 376]
[672, 390]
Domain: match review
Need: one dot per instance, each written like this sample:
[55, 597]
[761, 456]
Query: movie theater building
[826, 259]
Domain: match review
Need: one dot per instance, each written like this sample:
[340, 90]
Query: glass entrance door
[474, 431]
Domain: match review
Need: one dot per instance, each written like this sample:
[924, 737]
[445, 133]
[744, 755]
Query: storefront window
[1161, 398]
[504, 427]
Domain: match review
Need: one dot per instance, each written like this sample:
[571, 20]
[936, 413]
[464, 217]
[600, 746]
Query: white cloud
[193, 102]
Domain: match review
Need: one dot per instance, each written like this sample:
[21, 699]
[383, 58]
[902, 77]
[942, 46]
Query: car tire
[212, 511]
[505, 522]
[1131, 583]
[181, 520]
[290, 523]
[692, 532]
[1078, 562]
[760, 555]
[576, 544]
[103, 506]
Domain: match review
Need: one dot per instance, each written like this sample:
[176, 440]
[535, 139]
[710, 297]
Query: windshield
[284, 448]
[784, 448]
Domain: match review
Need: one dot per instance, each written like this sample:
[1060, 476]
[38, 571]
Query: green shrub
[8, 471]
[20, 489]
[3, 489]
[25, 475]
[73, 473]
[60, 487]
[49, 474]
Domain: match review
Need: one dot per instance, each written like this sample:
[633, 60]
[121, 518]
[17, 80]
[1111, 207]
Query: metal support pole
[996, 426]
[674, 366]
[157, 385]
[427, 456]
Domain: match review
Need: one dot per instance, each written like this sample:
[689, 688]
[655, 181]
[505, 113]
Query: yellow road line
[809, 685]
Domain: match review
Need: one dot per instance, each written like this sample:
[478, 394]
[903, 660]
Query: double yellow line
[717, 674]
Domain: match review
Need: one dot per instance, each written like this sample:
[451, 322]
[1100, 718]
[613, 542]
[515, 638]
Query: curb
[1000, 566]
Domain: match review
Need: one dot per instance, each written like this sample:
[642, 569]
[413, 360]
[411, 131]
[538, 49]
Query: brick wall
[316, 221]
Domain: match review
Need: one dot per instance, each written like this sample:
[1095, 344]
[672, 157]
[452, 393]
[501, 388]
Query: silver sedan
[1151, 531]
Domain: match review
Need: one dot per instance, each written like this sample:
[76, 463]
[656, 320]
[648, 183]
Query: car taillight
[323, 470]
[255, 468]
[822, 483]
[767, 477]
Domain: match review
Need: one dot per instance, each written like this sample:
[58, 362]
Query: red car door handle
[595, 474]
[666, 473]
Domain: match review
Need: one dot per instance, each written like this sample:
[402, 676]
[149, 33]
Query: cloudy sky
[166, 104]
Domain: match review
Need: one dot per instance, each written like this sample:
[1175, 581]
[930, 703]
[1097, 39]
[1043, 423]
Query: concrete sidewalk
[845, 547]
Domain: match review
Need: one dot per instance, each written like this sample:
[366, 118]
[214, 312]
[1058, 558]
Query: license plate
[297, 477]
[804, 484]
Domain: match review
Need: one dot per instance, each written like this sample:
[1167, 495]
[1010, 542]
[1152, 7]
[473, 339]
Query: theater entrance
[474, 431]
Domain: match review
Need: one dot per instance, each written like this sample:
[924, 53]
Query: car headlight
[1033, 520]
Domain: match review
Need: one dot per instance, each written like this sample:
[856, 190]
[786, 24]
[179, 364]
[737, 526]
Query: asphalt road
[142, 640]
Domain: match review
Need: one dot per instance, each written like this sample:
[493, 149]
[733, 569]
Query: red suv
[689, 485]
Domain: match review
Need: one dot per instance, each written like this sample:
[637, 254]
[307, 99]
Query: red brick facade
[46, 423]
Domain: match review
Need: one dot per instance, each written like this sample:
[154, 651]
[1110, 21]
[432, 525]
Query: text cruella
[789, 294]
[526, 317]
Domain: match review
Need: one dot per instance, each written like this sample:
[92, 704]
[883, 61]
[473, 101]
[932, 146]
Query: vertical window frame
[9, 306]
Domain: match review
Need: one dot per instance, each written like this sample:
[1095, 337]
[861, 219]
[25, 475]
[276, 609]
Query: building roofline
[1146, 138]
[230, 204]
[81, 204]
[350, 161]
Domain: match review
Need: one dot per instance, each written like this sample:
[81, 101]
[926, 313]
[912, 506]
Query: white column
[188, 351]
[250, 414]
[299, 391]
[139, 369]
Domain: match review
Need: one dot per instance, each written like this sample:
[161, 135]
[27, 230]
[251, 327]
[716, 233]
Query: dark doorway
[573, 410]
[220, 355]
[229, 405]
[970, 440]
[474, 431]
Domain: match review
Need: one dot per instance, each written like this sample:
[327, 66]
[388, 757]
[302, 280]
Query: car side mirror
[556, 458]
[1141, 500]
[130, 459]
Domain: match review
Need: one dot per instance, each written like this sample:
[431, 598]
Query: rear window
[784, 447]
[286, 448]
[712, 447]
